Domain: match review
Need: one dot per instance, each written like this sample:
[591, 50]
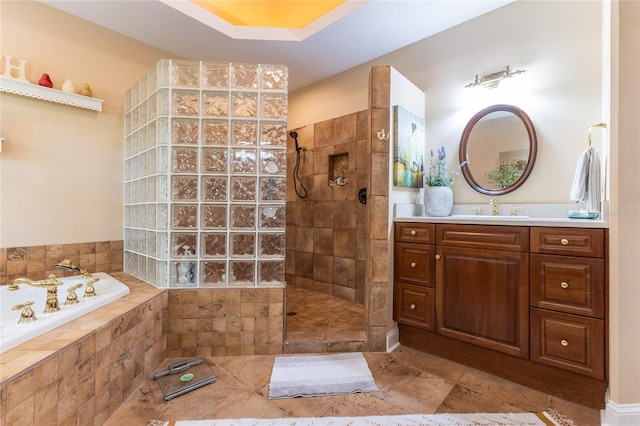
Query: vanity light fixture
[491, 81]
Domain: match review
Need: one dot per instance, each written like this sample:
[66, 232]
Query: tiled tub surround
[38, 262]
[82, 372]
[205, 168]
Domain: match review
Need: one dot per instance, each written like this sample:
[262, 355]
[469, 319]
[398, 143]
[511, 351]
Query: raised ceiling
[352, 33]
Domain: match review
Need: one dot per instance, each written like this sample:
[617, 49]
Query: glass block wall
[205, 171]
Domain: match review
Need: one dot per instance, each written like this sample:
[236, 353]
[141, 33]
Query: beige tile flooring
[410, 382]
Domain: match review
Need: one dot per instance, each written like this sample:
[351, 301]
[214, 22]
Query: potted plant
[438, 197]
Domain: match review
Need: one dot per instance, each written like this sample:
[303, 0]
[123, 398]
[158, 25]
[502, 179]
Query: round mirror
[498, 149]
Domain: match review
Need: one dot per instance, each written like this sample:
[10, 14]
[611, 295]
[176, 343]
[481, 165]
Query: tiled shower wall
[205, 165]
[326, 230]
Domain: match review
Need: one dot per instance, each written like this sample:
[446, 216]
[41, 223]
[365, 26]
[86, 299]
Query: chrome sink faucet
[494, 206]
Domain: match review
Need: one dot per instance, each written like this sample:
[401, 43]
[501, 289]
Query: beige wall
[61, 168]
[560, 44]
[560, 92]
[625, 205]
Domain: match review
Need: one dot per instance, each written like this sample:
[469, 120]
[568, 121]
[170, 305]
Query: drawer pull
[437, 257]
[414, 264]
[564, 241]
[564, 284]
[413, 306]
[413, 232]
[564, 343]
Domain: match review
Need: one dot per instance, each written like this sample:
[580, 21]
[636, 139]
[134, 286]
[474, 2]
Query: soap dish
[582, 214]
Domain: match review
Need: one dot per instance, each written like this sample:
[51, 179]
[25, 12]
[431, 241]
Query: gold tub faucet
[51, 284]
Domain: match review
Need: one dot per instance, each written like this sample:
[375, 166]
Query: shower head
[294, 135]
[67, 265]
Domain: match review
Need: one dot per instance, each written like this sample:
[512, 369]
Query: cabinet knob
[413, 306]
[564, 284]
[437, 257]
[564, 241]
[413, 232]
[564, 343]
[413, 264]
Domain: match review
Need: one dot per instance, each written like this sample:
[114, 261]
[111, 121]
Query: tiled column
[378, 288]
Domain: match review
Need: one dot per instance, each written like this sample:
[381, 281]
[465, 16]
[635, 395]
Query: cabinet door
[415, 264]
[415, 306]
[483, 298]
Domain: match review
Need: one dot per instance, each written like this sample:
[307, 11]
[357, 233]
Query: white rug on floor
[320, 375]
[476, 419]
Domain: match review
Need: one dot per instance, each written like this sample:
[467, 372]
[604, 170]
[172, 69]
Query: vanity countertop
[531, 216]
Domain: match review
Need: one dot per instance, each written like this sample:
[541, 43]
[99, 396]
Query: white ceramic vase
[438, 200]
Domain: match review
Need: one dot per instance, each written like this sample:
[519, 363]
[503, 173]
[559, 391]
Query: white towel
[586, 182]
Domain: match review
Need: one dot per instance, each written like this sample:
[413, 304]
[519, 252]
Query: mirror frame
[464, 141]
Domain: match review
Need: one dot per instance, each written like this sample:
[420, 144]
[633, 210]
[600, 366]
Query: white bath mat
[319, 375]
[477, 419]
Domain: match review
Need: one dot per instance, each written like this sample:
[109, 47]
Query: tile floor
[410, 382]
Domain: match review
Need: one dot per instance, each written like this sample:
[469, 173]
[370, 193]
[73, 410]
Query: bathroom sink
[480, 217]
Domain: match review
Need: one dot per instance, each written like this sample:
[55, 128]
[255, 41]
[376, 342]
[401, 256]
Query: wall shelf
[18, 87]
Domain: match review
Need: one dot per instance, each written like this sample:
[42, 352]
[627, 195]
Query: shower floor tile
[310, 311]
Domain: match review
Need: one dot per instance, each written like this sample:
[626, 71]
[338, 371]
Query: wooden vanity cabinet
[414, 270]
[524, 302]
[482, 286]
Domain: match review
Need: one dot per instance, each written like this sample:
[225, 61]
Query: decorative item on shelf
[438, 196]
[491, 81]
[10, 70]
[339, 181]
[45, 81]
[85, 90]
[68, 86]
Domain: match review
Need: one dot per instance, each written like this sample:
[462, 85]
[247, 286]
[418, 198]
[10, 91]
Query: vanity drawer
[415, 264]
[570, 342]
[415, 306]
[503, 238]
[568, 241]
[569, 284]
[411, 232]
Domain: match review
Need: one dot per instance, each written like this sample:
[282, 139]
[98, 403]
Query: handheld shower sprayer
[294, 135]
[302, 192]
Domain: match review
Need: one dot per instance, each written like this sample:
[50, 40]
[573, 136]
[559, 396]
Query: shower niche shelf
[338, 168]
[35, 91]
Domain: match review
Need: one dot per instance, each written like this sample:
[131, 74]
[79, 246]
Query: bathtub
[107, 290]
